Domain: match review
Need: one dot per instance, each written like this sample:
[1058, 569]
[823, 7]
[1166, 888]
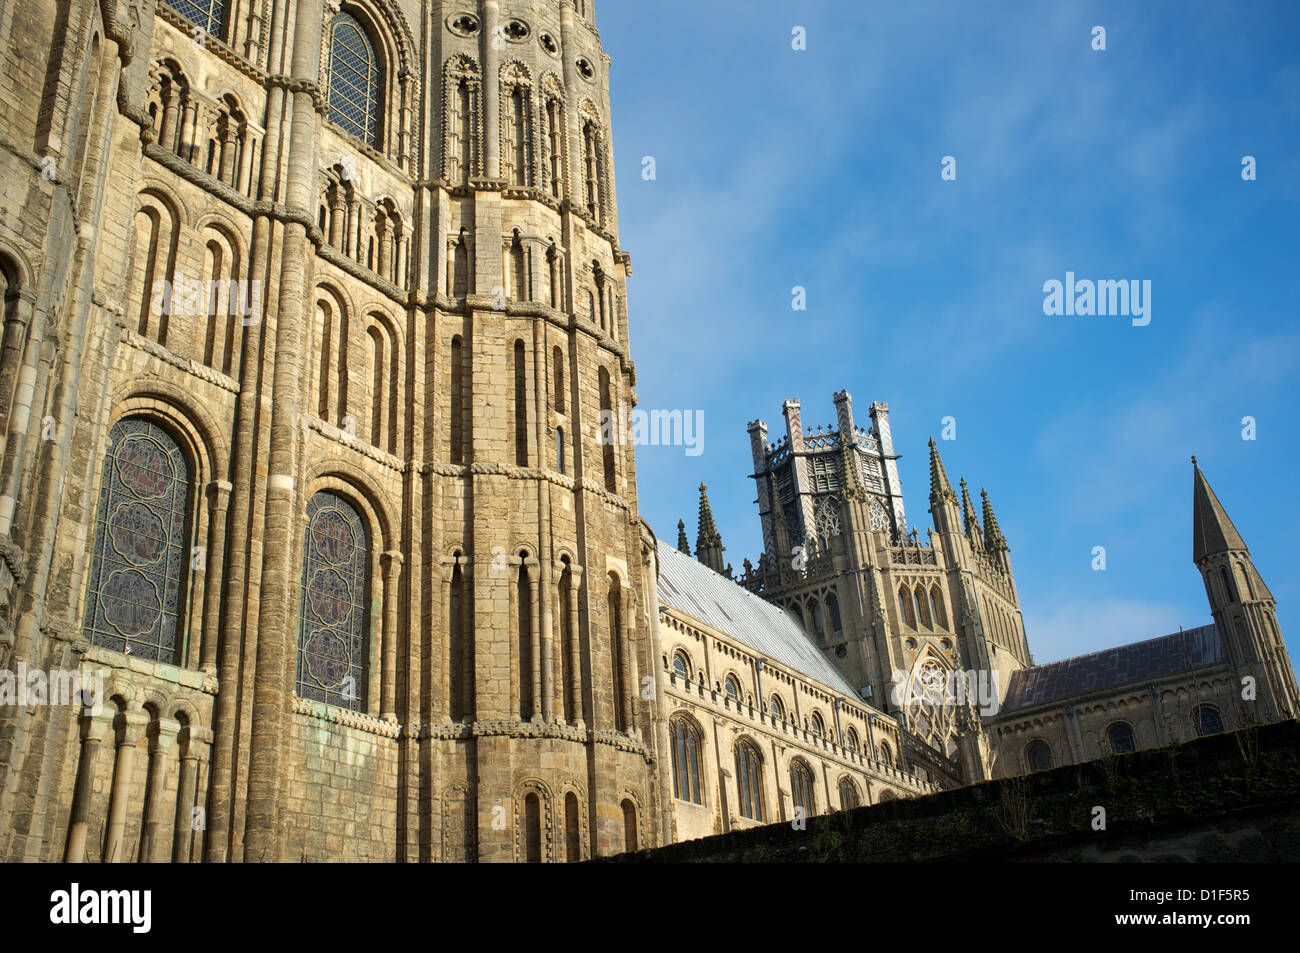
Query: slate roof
[690, 586]
[1111, 668]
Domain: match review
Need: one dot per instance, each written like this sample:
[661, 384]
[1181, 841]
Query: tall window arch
[1038, 755]
[1207, 720]
[849, 798]
[521, 405]
[1120, 737]
[777, 709]
[936, 608]
[139, 576]
[681, 665]
[572, 834]
[733, 689]
[354, 88]
[816, 726]
[686, 761]
[630, 842]
[208, 14]
[851, 740]
[801, 787]
[332, 648]
[749, 781]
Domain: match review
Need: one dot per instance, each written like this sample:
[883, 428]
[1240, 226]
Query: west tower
[338, 524]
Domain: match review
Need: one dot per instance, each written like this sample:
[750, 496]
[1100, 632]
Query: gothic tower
[310, 324]
[900, 614]
[1243, 608]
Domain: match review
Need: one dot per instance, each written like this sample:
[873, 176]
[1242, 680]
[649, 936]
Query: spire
[968, 516]
[708, 544]
[992, 532]
[940, 488]
[1212, 531]
[683, 544]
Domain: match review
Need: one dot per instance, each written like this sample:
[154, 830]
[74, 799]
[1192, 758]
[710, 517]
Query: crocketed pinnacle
[708, 544]
[992, 532]
[940, 488]
[968, 515]
[683, 544]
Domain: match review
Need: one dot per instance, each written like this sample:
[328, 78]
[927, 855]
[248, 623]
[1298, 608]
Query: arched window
[559, 449]
[1120, 738]
[1038, 755]
[1227, 584]
[816, 725]
[849, 798]
[681, 666]
[353, 80]
[936, 608]
[819, 627]
[801, 787]
[608, 432]
[1207, 720]
[918, 606]
[851, 740]
[139, 576]
[686, 761]
[749, 781]
[210, 15]
[629, 826]
[733, 689]
[456, 412]
[833, 607]
[622, 701]
[332, 634]
[886, 755]
[460, 649]
[777, 709]
[532, 829]
[572, 835]
[557, 373]
[521, 406]
[905, 611]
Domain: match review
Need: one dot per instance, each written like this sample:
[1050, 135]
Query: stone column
[392, 569]
[631, 683]
[491, 89]
[162, 733]
[167, 131]
[575, 654]
[128, 727]
[537, 694]
[93, 730]
[194, 743]
[229, 139]
[219, 495]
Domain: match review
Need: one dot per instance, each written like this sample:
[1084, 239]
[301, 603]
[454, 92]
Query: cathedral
[312, 313]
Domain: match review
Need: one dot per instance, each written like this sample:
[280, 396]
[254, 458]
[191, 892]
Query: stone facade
[310, 313]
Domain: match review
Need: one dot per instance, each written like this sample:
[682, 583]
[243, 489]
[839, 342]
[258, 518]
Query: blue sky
[821, 168]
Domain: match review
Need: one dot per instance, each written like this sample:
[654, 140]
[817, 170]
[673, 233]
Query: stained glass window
[353, 80]
[140, 559]
[208, 14]
[332, 635]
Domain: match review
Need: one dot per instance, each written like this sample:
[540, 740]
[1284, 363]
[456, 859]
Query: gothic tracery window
[749, 781]
[931, 704]
[332, 648]
[353, 80]
[139, 574]
[686, 761]
[848, 795]
[801, 787]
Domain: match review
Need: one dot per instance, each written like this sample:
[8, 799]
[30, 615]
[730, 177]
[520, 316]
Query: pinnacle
[683, 545]
[940, 488]
[992, 532]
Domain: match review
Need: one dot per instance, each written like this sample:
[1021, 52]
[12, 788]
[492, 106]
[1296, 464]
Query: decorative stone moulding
[464, 24]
